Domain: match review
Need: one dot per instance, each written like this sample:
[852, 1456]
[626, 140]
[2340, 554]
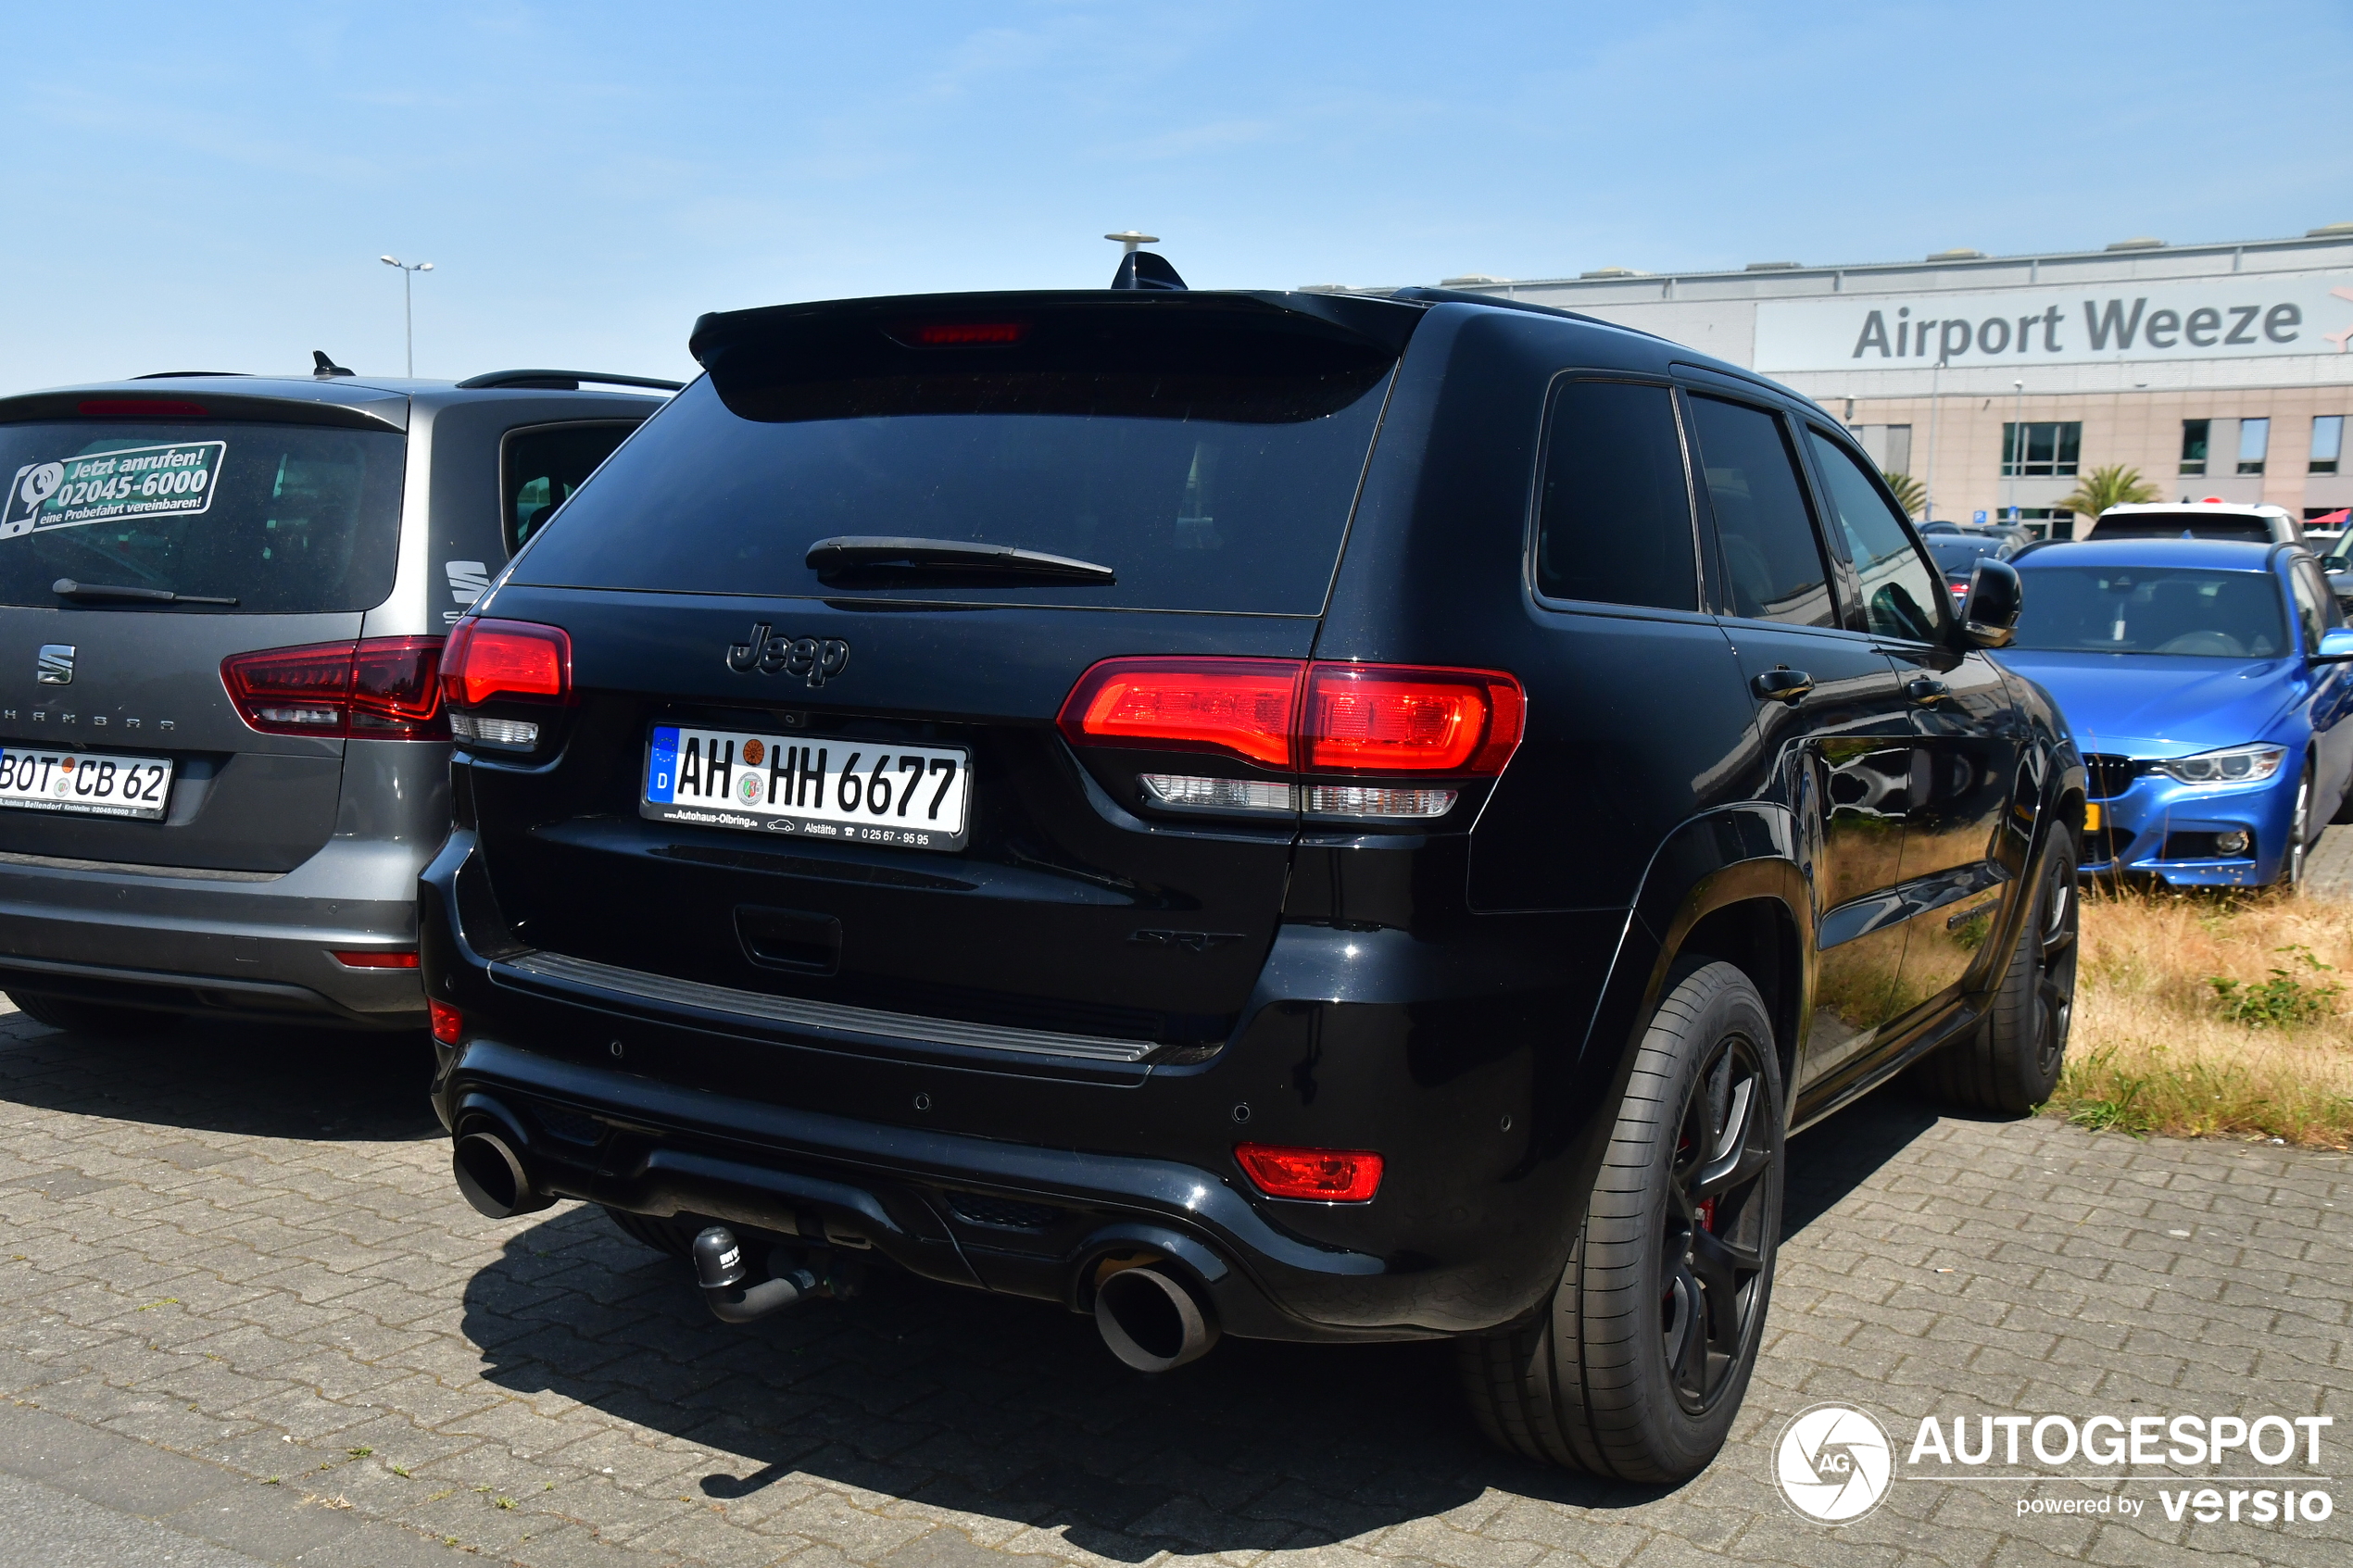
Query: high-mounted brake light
[505, 659]
[378, 688]
[962, 334]
[1324, 718]
[1330, 1175]
[135, 407]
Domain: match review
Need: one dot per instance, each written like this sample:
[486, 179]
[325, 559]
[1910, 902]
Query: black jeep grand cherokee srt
[1314, 817]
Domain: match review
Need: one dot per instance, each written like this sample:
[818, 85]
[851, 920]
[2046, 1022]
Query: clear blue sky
[208, 186]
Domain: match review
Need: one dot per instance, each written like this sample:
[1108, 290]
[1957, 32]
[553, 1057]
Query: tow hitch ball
[721, 1271]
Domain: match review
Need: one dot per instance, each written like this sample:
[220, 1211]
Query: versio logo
[1834, 1463]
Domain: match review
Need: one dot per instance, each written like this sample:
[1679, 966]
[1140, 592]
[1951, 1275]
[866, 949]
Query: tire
[2011, 1062]
[2299, 836]
[95, 1018]
[1636, 1366]
[661, 1233]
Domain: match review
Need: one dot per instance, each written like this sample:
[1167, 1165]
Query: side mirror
[2337, 647]
[1989, 615]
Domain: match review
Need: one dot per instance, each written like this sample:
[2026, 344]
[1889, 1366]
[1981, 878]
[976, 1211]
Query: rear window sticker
[172, 480]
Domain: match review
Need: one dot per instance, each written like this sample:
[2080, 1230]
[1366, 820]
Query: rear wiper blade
[67, 588]
[854, 550]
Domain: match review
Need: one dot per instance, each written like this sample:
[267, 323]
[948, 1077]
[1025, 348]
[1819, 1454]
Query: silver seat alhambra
[223, 601]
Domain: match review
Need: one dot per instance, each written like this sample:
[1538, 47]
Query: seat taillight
[378, 688]
[505, 659]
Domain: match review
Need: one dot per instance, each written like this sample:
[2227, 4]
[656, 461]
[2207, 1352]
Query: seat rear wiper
[67, 588]
[854, 550]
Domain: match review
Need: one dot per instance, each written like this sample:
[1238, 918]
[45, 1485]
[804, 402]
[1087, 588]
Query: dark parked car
[1309, 817]
[1957, 557]
[222, 754]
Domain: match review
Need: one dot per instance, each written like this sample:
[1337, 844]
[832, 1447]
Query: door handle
[1782, 684]
[1925, 691]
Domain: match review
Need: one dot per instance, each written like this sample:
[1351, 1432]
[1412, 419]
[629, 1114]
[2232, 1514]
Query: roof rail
[561, 380]
[175, 375]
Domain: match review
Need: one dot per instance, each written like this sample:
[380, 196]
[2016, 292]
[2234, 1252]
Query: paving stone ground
[241, 1301]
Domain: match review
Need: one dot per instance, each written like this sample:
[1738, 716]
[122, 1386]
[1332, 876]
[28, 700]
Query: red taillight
[378, 960]
[380, 688]
[136, 408]
[1330, 1175]
[1324, 717]
[1242, 707]
[1385, 718]
[487, 659]
[445, 1022]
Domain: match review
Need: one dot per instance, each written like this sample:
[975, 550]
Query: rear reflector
[1329, 1174]
[379, 688]
[445, 1022]
[1324, 717]
[379, 959]
[505, 659]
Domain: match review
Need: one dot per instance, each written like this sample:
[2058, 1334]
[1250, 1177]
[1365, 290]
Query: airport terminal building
[2215, 369]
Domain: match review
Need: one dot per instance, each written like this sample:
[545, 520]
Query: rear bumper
[239, 945]
[1006, 1169]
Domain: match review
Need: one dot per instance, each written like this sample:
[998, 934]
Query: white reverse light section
[1190, 792]
[508, 734]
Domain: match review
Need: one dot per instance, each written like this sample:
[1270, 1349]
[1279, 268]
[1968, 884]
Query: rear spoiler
[345, 407]
[1380, 324]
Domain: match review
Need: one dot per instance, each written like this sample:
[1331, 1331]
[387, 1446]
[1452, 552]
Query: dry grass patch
[2205, 1015]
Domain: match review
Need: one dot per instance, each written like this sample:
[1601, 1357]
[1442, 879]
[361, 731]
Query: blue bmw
[2205, 681]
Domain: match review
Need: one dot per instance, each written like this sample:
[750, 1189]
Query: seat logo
[55, 666]
[815, 659]
[1833, 1464]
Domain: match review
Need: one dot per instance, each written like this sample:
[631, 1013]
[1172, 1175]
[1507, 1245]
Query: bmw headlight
[2234, 765]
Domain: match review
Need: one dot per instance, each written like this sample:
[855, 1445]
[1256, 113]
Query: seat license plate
[85, 785]
[849, 791]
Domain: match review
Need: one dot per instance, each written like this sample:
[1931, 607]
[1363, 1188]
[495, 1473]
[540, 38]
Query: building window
[2255, 440]
[2049, 448]
[2328, 439]
[2193, 433]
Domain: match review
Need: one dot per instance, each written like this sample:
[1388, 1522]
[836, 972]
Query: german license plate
[849, 791]
[83, 783]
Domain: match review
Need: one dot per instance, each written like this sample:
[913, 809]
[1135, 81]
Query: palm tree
[2113, 485]
[1908, 492]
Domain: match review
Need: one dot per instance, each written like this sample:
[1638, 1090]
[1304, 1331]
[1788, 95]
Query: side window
[1614, 520]
[541, 465]
[2310, 614]
[1773, 561]
[1901, 592]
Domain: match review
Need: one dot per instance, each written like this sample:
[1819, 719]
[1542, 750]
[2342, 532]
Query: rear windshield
[283, 518]
[2151, 610]
[1217, 478]
[2176, 525]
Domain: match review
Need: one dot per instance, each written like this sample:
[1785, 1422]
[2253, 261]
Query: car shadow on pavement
[1004, 1408]
[1832, 1158]
[284, 1083]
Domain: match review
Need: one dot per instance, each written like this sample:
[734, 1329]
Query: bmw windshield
[2179, 610]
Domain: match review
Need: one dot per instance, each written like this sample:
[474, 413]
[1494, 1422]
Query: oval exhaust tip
[491, 1176]
[1151, 1322]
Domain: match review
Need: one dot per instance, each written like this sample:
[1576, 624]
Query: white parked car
[2197, 519]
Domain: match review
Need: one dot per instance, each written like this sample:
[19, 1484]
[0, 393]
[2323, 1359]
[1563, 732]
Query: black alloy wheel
[1636, 1366]
[1711, 1255]
[2011, 1062]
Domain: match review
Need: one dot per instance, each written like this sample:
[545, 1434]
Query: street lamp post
[2017, 437]
[407, 305]
[1927, 492]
